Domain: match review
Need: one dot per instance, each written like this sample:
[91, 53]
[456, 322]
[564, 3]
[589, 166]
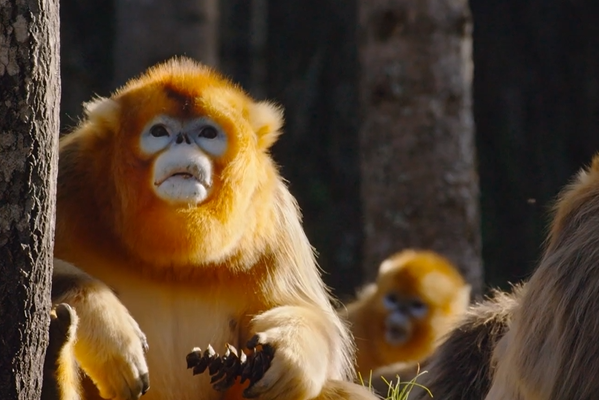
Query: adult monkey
[540, 341]
[168, 194]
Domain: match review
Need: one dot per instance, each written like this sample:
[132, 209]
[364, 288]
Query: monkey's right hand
[110, 345]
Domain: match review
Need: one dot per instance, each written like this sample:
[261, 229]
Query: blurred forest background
[380, 147]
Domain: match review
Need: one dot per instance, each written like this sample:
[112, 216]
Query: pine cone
[225, 369]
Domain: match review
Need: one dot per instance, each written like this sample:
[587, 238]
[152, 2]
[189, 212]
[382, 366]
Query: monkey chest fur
[175, 319]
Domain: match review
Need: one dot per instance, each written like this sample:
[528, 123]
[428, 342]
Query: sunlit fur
[237, 264]
[461, 368]
[109, 344]
[550, 350]
[61, 377]
[542, 336]
[410, 275]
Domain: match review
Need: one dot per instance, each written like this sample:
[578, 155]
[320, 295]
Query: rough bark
[150, 31]
[419, 183]
[313, 71]
[30, 85]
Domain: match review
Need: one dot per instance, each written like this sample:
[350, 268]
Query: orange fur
[220, 271]
[409, 275]
[61, 380]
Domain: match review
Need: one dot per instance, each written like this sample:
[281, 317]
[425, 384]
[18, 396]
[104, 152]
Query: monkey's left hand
[301, 342]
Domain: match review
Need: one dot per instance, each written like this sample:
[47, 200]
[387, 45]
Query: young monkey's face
[417, 290]
[403, 313]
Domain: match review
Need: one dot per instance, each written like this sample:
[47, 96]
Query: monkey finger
[268, 350]
[255, 341]
[138, 386]
[266, 384]
[63, 316]
[142, 336]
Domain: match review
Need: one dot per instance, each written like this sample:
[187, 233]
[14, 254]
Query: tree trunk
[151, 31]
[30, 84]
[419, 183]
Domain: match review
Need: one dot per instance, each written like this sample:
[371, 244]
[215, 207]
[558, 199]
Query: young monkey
[402, 317]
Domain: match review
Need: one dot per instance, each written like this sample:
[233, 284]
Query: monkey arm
[304, 341]
[110, 346]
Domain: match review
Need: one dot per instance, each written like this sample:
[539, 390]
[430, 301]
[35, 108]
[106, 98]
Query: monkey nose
[397, 320]
[182, 137]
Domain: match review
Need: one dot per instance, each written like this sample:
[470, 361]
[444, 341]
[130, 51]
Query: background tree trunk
[150, 31]
[419, 182]
[30, 85]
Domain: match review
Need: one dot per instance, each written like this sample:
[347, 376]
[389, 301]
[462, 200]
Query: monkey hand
[299, 338]
[110, 345]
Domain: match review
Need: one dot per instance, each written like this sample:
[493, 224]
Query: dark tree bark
[312, 66]
[419, 183]
[30, 85]
[148, 32]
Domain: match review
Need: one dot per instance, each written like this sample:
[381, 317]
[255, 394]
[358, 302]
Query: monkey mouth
[396, 336]
[183, 184]
[397, 330]
[190, 172]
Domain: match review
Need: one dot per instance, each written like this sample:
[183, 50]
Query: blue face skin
[184, 151]
[402, 312]
[164, 131]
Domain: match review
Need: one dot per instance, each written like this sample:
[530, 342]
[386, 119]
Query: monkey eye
[390, 301]
[208, 135]
[417, 308]
[158, 130]
[208, 132]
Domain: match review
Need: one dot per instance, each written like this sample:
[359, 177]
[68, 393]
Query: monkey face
[183, 169]
[403, 315]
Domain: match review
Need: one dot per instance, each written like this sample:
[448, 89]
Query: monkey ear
[266, 120]
[463, 297]
[386, 266]
[595, 163]
[396, 259]
[101, 107]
